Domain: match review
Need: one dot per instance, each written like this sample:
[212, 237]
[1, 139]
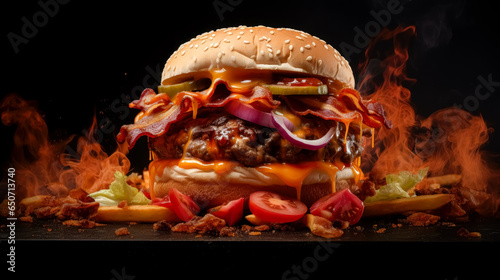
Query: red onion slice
[248, 113]
[279, 123]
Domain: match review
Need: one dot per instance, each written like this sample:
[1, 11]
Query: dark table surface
[400, 252]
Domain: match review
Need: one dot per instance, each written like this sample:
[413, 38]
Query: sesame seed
[270, 55]
[272, 32]
[230, 33]
[290, 47]
[252, 57]
[238, 37]
[303, 35]
[251, 30]
[216, 45]
[191, 46]
[278, 52]
[300, 38]
[261, 52]
[314, 44]
[309, 58]
[287, 41]
[195, 59]
[307, 46]
[183, 52]
[226, 40]
[269, 46]
[217, 60]
[301, 49]
[173, 69]
[246, 42]
[320, 62]
[196, 46]
[242, 32]
[219, 55]
[168, 68]
[203, 42]
[205, 49]
[231, 48]
[326, 47]
[233, 58]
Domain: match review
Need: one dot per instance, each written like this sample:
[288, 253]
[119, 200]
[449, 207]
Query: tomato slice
[165, 202]
[342, 205]
[231, 212]
[146, 193]
[184, 207]
[272, 207]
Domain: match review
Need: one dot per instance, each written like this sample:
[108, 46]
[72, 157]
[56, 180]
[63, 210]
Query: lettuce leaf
[397, 185]
[119, 190]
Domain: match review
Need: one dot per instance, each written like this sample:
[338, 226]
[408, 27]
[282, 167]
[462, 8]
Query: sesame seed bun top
[260, 48]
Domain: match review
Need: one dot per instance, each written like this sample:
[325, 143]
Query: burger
[247, 109]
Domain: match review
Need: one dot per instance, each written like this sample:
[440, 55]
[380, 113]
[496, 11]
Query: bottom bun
[210, 194]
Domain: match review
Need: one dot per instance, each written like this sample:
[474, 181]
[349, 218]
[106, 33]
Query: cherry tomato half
[231, 212]
[342, 205]
[275, 208]
[165, 202]
[184, 207]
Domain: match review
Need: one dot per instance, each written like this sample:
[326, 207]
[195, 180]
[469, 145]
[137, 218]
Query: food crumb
[122, 231]
[463, 232]
[255, 233]
[28, 219]
[49, 229]
[381, 230]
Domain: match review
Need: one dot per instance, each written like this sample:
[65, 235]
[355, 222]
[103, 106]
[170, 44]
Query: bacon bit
[422, 219]
[28, 219]
[122, 204]
[122, 231]
[206, 224]
[322, 227]
[463, 232]
[253, 233]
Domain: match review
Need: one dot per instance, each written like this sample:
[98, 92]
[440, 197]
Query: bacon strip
[158, 112]
[345, 106]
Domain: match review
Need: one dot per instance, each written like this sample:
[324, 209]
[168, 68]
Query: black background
[91, 58]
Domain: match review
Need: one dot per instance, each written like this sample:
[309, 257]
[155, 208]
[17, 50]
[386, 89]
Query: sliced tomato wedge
[231, 212]
[272, 207]
[165, 202]
[342, 205]
[146, 193]
[184, 207]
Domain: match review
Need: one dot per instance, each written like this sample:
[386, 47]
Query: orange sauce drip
[293, 175]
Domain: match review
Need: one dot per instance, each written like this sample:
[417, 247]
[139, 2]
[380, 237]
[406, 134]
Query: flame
[448, 141]
[44, 167]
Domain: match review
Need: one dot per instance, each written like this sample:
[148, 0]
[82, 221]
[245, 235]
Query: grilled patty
[218, 135]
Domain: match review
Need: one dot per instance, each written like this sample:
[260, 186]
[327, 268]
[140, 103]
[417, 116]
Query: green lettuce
[119, 190]
[397, 186]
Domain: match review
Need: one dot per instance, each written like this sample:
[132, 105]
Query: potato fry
[136, 213]
[416, 203]
[444, 180]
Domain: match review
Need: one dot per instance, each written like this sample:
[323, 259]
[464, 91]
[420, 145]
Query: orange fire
[448, 141]
[43, 167]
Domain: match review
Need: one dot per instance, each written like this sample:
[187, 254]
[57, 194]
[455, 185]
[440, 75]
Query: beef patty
[218, 135]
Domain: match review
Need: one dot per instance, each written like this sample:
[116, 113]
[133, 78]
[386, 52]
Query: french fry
[401, 205]
[136, 213]
[444, 180]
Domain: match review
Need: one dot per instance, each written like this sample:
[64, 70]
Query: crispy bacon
[346, 105]
[158, 112]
